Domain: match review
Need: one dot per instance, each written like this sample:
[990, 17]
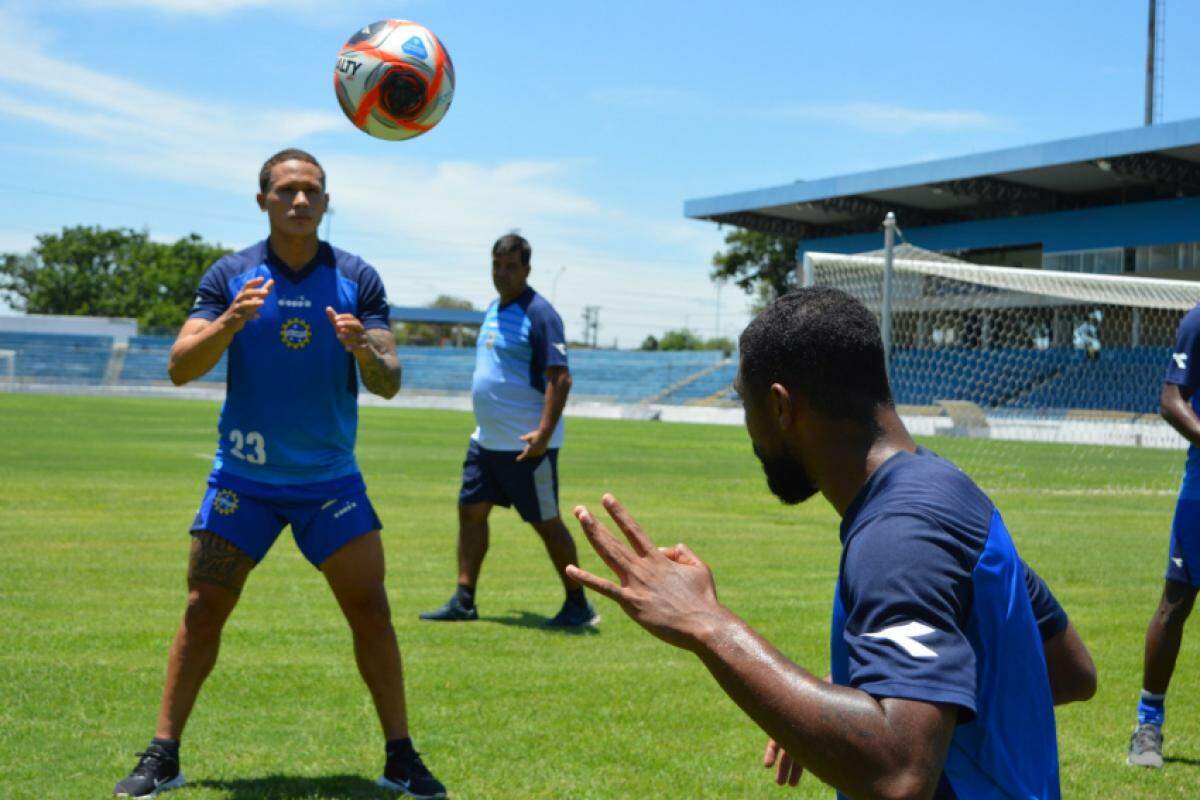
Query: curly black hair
[823, 343]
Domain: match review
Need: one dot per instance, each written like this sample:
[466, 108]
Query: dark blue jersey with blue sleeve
[291, 407]
[934, 604]
[1184, 370]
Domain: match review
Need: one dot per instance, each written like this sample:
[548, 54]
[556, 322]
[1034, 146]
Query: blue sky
[584, 125]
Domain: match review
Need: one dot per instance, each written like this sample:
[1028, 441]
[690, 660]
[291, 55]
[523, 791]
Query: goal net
[1020, 354]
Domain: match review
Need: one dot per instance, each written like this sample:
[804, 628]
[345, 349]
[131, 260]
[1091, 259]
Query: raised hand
[349, 330]
[669, 591]
[787, 771]
[247, 303]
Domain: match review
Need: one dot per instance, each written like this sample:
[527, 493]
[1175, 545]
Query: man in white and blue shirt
[518, 392]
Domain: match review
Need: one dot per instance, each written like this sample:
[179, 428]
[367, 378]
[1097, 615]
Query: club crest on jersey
[226, 502]
[295, 333]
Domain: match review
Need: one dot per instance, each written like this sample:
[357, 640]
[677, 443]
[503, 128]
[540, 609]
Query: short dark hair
[290, 154]
[513, 243]
[822, 343]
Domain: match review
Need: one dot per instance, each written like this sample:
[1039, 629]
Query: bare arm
[558, 386]
[864, 747]
[379, 364]
[1175, 407]
[1069, 664]
[374, 350]
[201, 342]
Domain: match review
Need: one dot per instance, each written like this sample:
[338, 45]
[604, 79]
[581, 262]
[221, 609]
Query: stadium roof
[441, 316]
[1127, 166]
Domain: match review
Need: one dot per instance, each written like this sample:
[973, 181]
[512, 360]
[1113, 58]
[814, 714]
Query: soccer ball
[394, 79]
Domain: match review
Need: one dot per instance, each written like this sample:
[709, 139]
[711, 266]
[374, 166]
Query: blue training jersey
[1184, 370]
[517, 343]
[934, 604]
[291, 403]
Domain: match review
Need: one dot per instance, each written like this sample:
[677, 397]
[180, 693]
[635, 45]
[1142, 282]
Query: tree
[102, 272]
[649, 343]
[759, 263]
[681, 339]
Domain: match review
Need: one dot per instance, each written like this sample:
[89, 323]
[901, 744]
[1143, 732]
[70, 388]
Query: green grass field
[96, 496]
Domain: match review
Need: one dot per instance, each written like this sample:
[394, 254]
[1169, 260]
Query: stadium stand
[1121, 379]
[58, 358]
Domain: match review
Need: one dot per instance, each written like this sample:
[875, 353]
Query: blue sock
[1152, 709]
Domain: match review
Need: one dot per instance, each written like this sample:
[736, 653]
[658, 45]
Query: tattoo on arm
[217, 561]
[381, 369]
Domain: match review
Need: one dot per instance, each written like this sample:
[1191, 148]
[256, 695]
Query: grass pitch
[96, 496]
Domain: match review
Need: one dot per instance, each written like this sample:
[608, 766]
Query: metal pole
[1150, 64]
[885, 316]
[807, 278]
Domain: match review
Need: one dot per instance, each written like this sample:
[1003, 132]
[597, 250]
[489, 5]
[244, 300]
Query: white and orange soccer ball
[394, 79]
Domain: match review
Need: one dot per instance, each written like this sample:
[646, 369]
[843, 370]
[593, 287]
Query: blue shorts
[1183, 562]
[324, 515]
[495, 476]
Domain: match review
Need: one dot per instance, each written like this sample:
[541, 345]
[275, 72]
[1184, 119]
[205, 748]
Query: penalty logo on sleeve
[295, 333]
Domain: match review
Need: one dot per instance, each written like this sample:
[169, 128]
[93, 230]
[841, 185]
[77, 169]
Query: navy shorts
[495, 476]
[1183, 562]
[324, 516]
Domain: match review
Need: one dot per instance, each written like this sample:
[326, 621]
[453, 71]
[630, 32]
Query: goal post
[1007, 352]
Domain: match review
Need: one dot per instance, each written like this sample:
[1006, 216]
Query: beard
[786, 477]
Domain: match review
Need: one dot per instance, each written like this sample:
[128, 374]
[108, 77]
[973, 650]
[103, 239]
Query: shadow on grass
[1187, 762]
[295, 787]
[537, 622]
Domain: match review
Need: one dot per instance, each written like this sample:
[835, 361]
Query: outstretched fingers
[633, 532]
[615, 554]
[596, 584]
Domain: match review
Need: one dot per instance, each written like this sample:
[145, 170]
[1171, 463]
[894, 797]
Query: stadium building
[1092, 254]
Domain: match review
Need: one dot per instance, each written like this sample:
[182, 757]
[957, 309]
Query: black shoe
[452, 611]
[574, 615]
[407, 774]
[157, 771]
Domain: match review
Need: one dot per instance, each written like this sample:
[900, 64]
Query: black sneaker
[573, 615]
[407, 774]
[157, 771]
[452, 611]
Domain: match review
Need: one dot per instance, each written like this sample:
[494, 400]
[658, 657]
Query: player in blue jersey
[1179, 405]
[947, 651]
[300, 321]
[518, 391]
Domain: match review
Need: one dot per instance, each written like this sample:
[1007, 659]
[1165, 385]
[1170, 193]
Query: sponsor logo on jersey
[295, 302]
[906, 636]
[1180, 360]
[226, 502]
[295, 333]
[561, 347]
[1177, 561]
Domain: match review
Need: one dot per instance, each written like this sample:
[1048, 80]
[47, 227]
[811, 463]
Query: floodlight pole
[1151, 36]
[885, 314]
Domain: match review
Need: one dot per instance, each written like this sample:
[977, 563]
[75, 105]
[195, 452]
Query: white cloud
[426, 225]
[886, 118]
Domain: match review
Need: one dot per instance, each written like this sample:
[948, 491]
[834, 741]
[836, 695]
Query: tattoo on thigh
[217, 561]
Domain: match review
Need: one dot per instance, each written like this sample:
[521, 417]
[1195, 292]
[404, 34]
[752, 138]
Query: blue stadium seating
[146, 362]
[54, 358]
[1003, 380]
